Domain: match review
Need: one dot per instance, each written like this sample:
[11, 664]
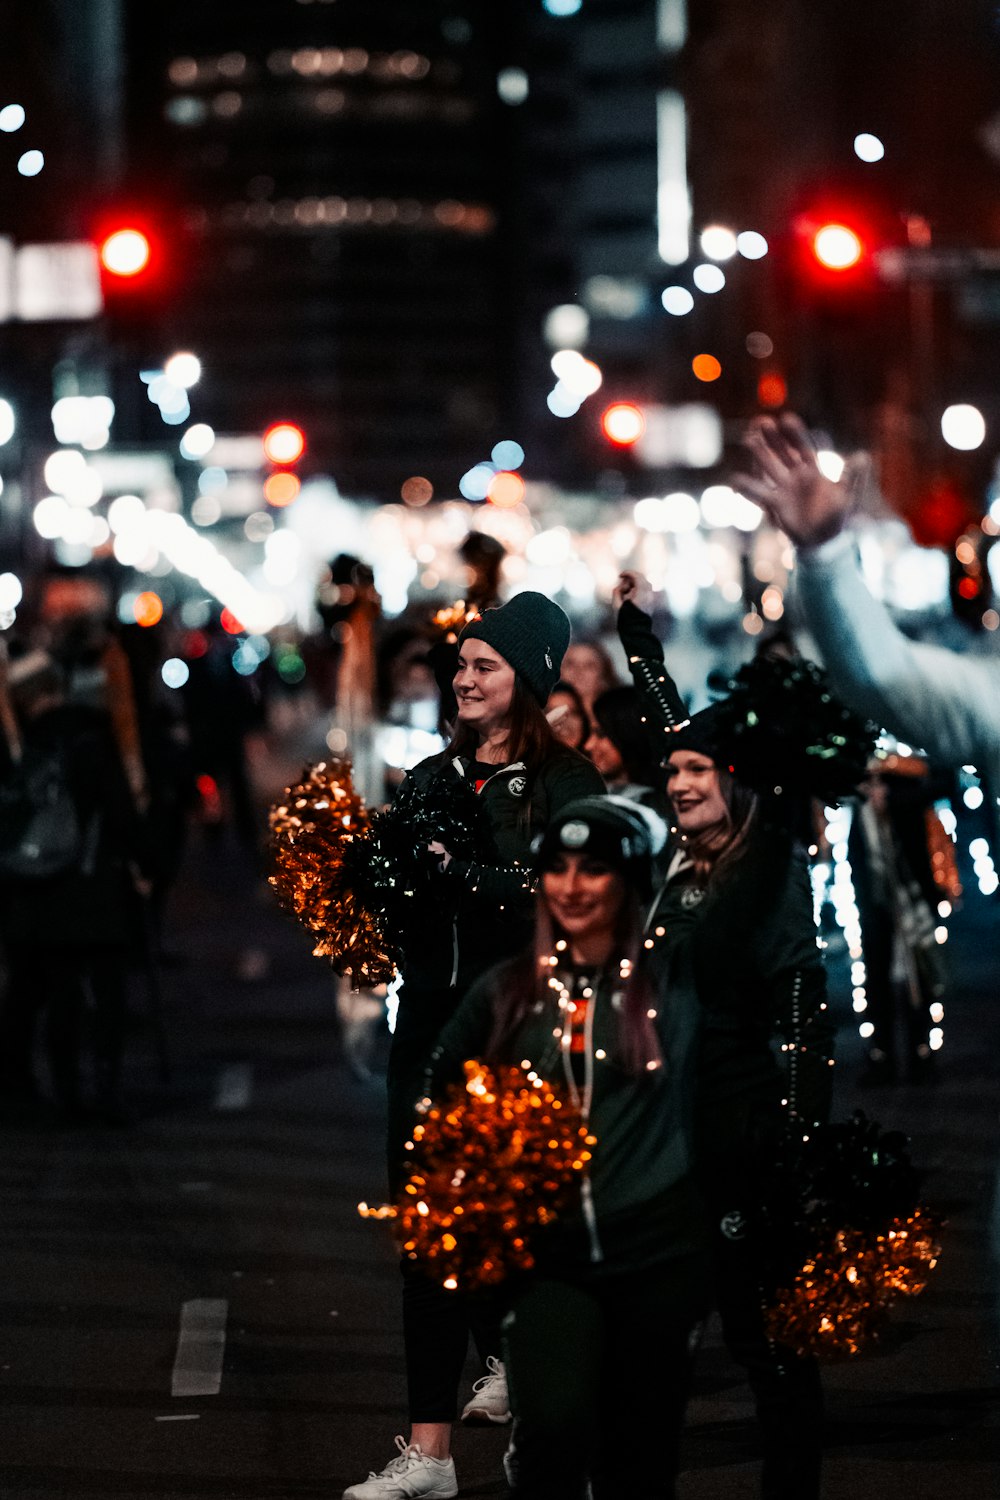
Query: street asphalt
[191, 1309]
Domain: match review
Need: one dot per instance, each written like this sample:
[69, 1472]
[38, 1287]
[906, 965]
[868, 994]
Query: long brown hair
[718, 849]
[529, 733]
[523, 984]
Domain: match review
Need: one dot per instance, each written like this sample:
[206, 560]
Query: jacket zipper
[517, 765]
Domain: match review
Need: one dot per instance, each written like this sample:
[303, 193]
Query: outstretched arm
[943, 701]
[663, 706]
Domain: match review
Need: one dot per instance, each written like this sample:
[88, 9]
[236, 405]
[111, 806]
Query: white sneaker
[410, 1474]
[490, 1402]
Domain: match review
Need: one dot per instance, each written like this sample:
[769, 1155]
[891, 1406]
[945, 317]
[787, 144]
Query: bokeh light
[148, 608]
[416, 491]
[868, 147]
[281, 489]
[706, 367]
[126, 252]
[677, 300]
[623, 423]
[708, 278]
[506, 490]
[963, 427]
[718, 242]
[284, 443]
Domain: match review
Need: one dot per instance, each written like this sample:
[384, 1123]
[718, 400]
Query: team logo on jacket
[733, 1225]
[692, 896]
[516, 785]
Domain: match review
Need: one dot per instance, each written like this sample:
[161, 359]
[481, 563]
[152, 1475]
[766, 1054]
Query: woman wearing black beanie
[479, 912]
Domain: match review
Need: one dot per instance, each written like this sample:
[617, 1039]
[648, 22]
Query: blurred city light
[125, 252]
[183, 370]
[12, 117]
[868, 147]
[751, 245]
[475, 483]
[963, 427]
[623, 423]
[706, 367]
[83, 419]
[512, 85]
[507, 454]
[567, 326]
[148, 609]
[708, 278]
[506, 490]
[677, 300]
[284, 443]
[837, 247]
[30, 163]
[579, 376]
[8, 422]
[198, 441]
[561, 402]
[11, 592]
[175, 672]
[562, 7]
[281, 489]
[718, 242]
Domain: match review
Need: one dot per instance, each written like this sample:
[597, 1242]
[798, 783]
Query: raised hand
[633, 588]
[789, 486]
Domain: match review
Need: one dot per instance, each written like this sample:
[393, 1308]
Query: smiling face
[584, 897]
[484, 687]
[695, 791]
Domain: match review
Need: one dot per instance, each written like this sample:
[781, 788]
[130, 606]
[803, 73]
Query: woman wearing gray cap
[480, 912]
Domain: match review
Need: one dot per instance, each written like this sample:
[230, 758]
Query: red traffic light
[837, 247]
[284, 443]
[623, 423]
[125, 252]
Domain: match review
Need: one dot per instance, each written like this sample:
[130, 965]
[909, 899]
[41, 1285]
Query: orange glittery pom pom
[312, 828]
[494, 1160]
[840, 1299]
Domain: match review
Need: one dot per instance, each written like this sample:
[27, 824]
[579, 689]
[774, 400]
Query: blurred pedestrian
[567, 715]
[481, 912]
[897, 898]
[71, 852]
[619, 746]
[588, 668]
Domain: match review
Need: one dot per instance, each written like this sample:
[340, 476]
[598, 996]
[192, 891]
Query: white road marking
[201, 1346]
[235, 1087]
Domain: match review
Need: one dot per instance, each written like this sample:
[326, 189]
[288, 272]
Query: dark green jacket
[637, 1202]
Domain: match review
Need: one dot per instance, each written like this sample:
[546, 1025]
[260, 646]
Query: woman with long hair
[598, 1334]
[477, 912]
[737, 894]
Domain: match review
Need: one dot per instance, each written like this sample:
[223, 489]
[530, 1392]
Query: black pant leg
[650, 1317]
[554, 1343]
[787, 1389]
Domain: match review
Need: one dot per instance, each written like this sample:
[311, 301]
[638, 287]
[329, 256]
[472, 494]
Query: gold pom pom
[312, 828]
[840, 1300]
[493, 1161]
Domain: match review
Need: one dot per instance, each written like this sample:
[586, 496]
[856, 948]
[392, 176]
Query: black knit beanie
[623, 834]
[705, 733]
[531, 633]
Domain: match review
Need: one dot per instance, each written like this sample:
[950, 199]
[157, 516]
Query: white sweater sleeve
[939, 700]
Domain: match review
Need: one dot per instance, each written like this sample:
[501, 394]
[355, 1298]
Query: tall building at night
[331, 179]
